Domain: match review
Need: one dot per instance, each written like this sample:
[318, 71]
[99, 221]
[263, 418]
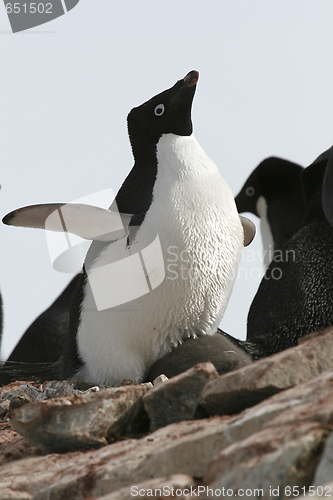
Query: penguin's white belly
[201, 238]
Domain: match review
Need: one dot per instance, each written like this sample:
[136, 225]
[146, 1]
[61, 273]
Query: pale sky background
[265, 88]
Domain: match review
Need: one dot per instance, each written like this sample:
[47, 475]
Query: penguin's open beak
[191, 78]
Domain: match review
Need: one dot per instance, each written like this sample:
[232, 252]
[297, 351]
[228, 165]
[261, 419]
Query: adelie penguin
[128, 309]
[295, 296]
[274, 193]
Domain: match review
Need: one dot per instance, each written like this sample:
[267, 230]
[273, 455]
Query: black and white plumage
[274, 193]
[295, 296]
[174, 193]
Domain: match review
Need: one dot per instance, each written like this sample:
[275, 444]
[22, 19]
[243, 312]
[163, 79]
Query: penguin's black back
[44, 340]
[295, 296]
[70, 362]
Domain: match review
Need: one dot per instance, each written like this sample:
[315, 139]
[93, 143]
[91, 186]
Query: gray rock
[160, 379]
[58, 389]
[177, 399]
[4, 408]
[235, 391]
[77, 422]
[172, 486]
[185, 447]
[283, 441]
[21, 389]
[324, 472]
[279, 441]
[275, 458]
[18, 396]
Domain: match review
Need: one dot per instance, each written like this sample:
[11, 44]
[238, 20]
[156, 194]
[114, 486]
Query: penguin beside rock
[295, 296]
[167, 274]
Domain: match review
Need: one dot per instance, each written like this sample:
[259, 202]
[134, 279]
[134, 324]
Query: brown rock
[177, 399]
[8, 494]
[13, 446]
[77, 422]
[324, 472]
[235, 391]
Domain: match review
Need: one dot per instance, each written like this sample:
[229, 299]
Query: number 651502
[31, 8]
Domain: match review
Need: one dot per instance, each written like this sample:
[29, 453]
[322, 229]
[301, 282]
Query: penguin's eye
[159, 110]
[249, 191]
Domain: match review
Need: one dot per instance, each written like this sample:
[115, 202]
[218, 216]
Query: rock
[16, 395]
[18, 401]
[13, 446]
[8, 494]
[58, 389]
[283, 445]
[77, 422]
[174, 486]
[247, 386]
[177, 399]
[281, 438]
[4, 408]
[324, 472]
[160, 379]
[185, 447]
[275, 458]
[286, 438]
[311, 401]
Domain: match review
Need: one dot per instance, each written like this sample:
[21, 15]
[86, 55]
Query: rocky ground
[262, 431]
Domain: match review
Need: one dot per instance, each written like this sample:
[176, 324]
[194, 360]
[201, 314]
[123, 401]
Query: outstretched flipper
[88, 222]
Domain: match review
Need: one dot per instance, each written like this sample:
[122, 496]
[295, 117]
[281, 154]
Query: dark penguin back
[44, 340]
[295, 296]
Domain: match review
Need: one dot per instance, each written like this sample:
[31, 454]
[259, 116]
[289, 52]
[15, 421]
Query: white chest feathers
[266, 233]
[176, 277]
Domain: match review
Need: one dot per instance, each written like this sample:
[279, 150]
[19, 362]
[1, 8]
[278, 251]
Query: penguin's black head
[167, 112]
[274, 178]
